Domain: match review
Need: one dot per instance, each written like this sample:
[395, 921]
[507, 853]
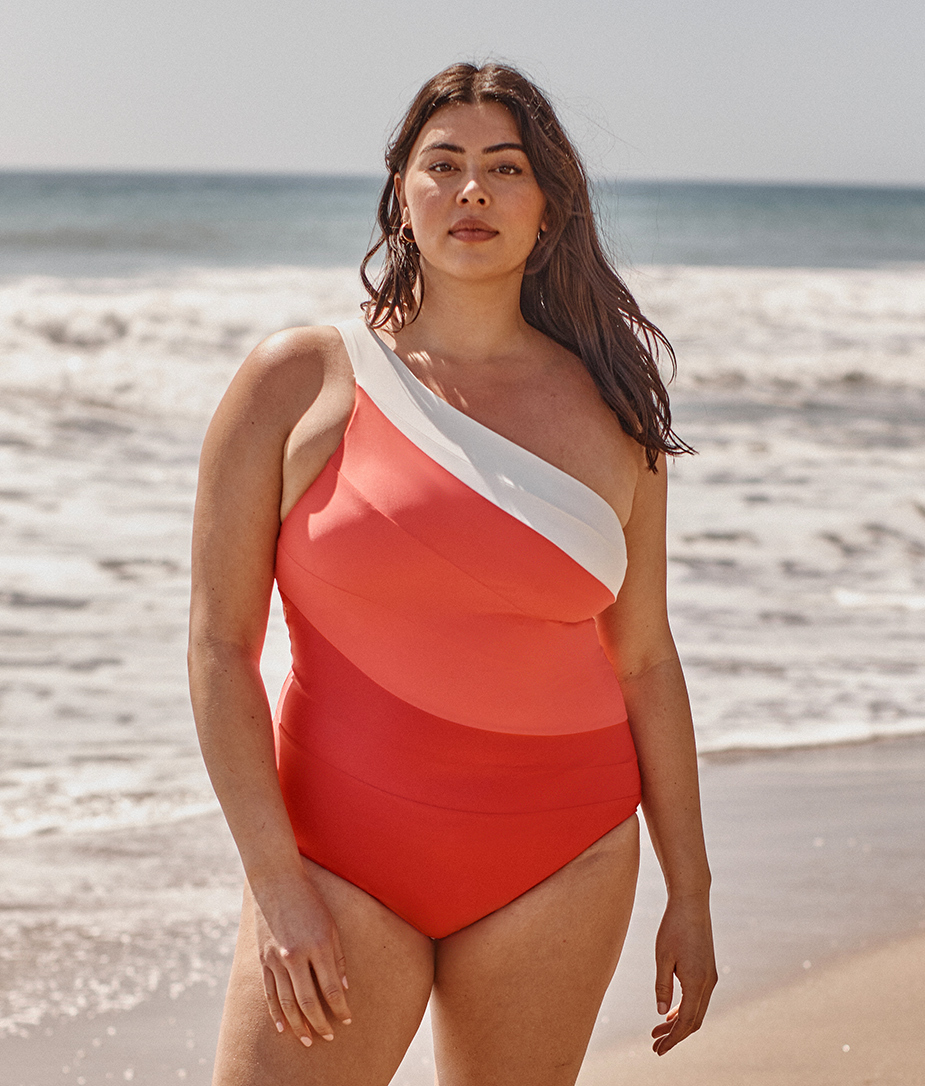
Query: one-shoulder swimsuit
[451, 732]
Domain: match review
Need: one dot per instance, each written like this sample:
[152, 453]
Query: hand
[303, 964]
[683, 949]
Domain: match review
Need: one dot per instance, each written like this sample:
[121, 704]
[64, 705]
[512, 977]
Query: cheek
[417, 191]
[534, 213]
[428, 207]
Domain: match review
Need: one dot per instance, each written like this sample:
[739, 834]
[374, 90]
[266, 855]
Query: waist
[505, 673]
[409, 753]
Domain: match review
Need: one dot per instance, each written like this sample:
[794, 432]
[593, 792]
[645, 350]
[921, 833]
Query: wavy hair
[570, 292]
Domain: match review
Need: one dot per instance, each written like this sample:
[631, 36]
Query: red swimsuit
[451, 732]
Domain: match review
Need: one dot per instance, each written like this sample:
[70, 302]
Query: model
[461, 496]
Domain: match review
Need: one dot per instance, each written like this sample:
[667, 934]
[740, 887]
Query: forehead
[471, 127]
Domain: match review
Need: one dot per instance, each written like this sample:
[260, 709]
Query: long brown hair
[570, 292]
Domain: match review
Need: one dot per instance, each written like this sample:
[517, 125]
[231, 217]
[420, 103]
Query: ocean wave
[790, 329]
[67, 801]
[165, 344]
[770, 737]
[170, 343]
[796, 537]
[101, 789]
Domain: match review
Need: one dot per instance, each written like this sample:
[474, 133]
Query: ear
[397, 185]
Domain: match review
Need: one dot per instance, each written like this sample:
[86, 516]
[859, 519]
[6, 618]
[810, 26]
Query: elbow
[640, 668]
[643, 653]
[211, 654]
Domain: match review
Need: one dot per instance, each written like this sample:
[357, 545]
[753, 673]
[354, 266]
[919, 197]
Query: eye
[508, 168]
[440, 167]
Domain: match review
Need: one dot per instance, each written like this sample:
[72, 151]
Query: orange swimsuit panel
[451, 732]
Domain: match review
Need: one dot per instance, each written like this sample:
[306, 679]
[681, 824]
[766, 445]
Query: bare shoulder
[285, 373]
[296, 344]
[606, 457]
[291, 376]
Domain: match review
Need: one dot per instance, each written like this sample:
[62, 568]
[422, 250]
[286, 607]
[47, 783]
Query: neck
[467, 322]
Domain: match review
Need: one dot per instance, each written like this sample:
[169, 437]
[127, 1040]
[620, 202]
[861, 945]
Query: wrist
[689, 892]
[269, 878]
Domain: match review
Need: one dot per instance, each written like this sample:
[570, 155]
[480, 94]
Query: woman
[450, 495]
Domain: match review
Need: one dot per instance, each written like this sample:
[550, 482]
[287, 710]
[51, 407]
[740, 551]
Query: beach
[800, 1033]
[820, 925]
[797, 586]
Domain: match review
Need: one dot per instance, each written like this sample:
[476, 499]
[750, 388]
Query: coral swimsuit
[451, 732]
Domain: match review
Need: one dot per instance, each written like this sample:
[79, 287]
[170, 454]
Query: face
[474, 204]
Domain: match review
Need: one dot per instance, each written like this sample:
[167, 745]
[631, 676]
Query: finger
[663, 1027]
[329, 975]
[702, 1005]
[676, 1033]
[697, 1000]
[269, 988]
[664, 984]
[289, 1004]
[308, 1000]
[341, 960]
[684, 1024]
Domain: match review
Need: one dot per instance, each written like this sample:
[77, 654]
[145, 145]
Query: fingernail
[328, 1036]
[662, 1008]
[280, 1027]
[307, 1041]
[347, 1021]
[344, 981]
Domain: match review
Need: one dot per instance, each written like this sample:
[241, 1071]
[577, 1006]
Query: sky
[790, 90]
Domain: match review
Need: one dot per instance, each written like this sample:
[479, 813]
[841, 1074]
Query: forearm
[298, 946]
[660, 719]
[235, 733]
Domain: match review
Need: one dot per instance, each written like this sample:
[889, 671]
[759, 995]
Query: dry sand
[855, 1023]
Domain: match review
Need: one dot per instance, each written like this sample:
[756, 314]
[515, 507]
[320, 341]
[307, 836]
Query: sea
[796, 534]
[110, 224]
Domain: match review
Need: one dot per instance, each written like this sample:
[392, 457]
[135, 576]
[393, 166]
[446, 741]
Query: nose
[472, 192]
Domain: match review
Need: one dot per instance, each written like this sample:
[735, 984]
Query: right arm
[235, 530]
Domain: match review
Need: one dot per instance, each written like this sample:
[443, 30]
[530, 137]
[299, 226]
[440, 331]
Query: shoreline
[815, 858]
[796, 904]
[724, 755]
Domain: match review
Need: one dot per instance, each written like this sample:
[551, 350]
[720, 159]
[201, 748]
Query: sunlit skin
[476, 209]
[471, 197]
[515, 995]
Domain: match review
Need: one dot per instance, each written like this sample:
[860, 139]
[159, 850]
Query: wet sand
[818, 866]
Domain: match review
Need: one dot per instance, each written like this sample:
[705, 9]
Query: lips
[472, 230]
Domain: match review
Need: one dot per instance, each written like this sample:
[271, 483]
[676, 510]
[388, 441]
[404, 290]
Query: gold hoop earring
[406, 233]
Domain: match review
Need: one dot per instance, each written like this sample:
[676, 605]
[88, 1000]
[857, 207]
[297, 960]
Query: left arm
[636, 637]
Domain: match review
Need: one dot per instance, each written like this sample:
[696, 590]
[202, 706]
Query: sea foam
[790, 328]
[796, 537]
[170, 343]
[162, 345]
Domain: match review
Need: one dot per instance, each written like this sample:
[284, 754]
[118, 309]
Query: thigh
[391, 973]
[516, 994]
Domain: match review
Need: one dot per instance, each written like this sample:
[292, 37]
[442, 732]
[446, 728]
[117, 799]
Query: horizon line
[165, 171]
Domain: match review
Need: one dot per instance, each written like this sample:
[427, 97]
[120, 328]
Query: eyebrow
[456, 149]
